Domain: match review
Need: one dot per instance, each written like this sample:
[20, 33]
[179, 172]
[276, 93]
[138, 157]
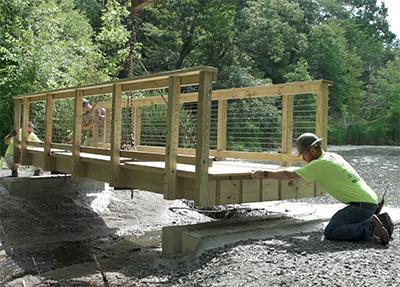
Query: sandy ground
[52, 239]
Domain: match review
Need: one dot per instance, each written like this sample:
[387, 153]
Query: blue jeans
[351, 223]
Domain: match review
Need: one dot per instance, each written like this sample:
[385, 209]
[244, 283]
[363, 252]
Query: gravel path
[296, 260]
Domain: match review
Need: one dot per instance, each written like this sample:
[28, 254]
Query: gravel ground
[295, 260]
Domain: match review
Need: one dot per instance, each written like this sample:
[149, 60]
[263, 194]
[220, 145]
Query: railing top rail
[189, 76]
[292, 88]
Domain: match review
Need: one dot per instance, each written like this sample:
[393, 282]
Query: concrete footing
[54, 184]
[192, 240]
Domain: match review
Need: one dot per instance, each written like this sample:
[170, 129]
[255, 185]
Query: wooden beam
[48, 133]
[321, 128]
[25, 122]
[17, 126]
[203, 136]
[309, 87]
[77, 134]
[189, 76]
[116, 134]
[287, 126]
[222, 126]
[170, 181]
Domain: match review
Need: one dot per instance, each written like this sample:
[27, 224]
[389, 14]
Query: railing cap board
[106, 87]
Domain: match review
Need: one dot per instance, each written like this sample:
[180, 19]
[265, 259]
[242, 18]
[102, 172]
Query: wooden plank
[228, 191]
[270, 189]
[48, 133]
[222, 127]
[77, 134]
[116, 134]
[203, 135]
[172, 140]
[308, 87]
[107, 126]
[287, 126]
[138, 124]
[261, 156]
[67, 147]
[17, 126]
[321, 128]
[251, 190]
[25, 122]
[324, 120]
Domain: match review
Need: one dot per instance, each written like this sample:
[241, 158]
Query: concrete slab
[192, 240]
[292, 217]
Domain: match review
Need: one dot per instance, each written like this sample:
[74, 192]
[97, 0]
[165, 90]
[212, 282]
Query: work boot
[379, 231]
[387, 222]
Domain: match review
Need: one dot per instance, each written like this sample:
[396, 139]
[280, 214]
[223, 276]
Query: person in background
[357, 221]
[9, 155]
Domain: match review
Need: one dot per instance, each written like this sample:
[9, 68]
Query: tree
[45, 45]
[178, 34]
[271, 37]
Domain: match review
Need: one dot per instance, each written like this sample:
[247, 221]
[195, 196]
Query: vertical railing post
[222, 128]
[287, 127]
[321, 128]
[25, 122]
[203, 136]
[116, 118]
[76, 146]
[48, 132]
[138, 124]
[17, 126]
[171, 148]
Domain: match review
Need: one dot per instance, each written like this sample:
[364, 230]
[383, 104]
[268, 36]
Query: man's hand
[259, 173]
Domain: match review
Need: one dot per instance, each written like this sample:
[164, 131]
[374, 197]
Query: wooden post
[203, 136]
[17, 126]
[25, 121]
[287, 126]
[222, 123]
[138, 124]
[48, 132]
[76, 148]
[107, 127]
[95, 128]
[174, 90]
[321, 128]
[116, 133]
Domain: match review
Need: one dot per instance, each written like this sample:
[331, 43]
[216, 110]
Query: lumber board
[25, 122]
[77, 134]
[170, 178]
[116, 134]
[48, 133]
[190, 76]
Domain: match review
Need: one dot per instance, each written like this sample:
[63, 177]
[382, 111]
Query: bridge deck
[229, 182]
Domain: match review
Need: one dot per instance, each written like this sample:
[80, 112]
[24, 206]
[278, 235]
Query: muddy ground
[53, 238]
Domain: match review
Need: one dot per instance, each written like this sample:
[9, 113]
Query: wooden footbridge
[202, 152]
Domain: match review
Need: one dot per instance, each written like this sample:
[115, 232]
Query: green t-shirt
[338, 178]
[32, 137]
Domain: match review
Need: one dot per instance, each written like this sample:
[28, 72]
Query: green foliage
[47, 44]
[271, 37]
[113, 37]
[178, 34]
